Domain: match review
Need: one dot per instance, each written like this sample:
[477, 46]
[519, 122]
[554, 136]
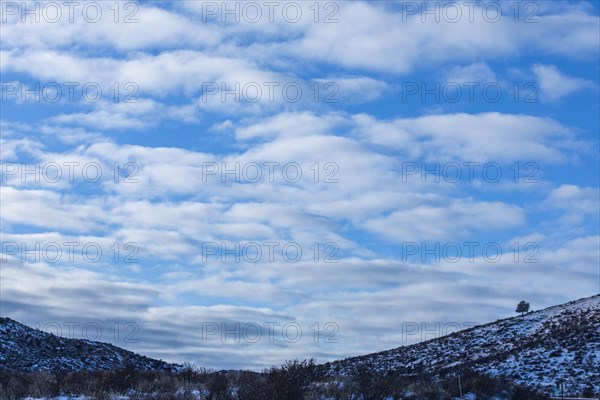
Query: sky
[237, 184]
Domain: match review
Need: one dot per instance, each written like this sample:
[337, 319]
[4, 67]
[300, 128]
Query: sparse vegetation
[295, 380]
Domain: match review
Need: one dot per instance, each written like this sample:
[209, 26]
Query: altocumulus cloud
[337, 166]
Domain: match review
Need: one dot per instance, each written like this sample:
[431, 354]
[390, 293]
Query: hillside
[537, 349]
[24, 349]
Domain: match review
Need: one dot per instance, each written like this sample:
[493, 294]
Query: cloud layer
[238, 190]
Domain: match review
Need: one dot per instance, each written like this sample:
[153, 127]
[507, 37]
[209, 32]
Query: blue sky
[376, 94]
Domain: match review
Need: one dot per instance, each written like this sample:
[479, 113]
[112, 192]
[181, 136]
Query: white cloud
[143, 113]
[476, 72]
[181, 71]
[457, 218]
[289, 124]
[354, 90]
[47, 209]
[378, 38]
[147, 27]
[577, 203]
[482, 137]
[554, 85]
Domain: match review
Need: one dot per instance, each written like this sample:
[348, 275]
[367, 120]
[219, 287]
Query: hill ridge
[560, 342]
[26, 349]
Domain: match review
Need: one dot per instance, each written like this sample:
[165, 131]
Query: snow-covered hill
[537, 349]
[24, 349]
